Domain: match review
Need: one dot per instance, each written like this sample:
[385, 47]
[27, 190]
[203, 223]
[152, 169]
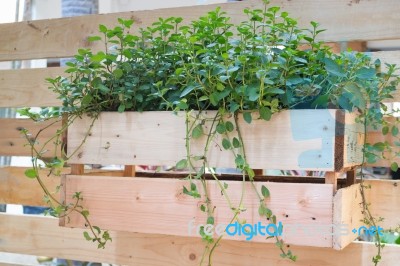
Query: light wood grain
[13, 143]
[306, 139]
[351, 20]
[42, 236]
[16, 188]
[151, 206]
[384, 197]
[347, 210]
[28, 87]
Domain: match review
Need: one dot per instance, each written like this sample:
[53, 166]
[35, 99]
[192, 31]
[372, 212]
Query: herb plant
[265, 64]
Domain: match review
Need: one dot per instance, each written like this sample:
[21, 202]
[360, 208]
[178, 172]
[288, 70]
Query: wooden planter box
[311, 214]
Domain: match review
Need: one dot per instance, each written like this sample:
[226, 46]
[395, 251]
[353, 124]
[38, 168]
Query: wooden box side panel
[353, 141]
[347, 215]
[304, 138]
[158, 206]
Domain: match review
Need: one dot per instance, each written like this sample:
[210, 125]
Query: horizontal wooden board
[12, 141]
[28, 87]
[384, 197]
[306, 139]
[133, 205]
[16, 188]
[42, 236]
[352, 20]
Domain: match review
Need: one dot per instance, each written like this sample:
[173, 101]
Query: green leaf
[121, 108]
[261, 209]
[250, 172]
[357, 97]
[87, 236]
[247, 117]
[97, 229]
[85, 213]
[221, 128]
[236, 142]
[31, 173]
[365, 73]
[275, 91]
[226, 144]
[203, 98]
[87, 99]
[394, 166]
[225, 185]
[385, 130]
[102, 28]
[379, 146]
[334, 68]
[182, 164]
[94, 38]
[229, 126]
[197, 131]
[103, 88]
[252, 92]
[100, 56]
[371, 158]
[265, 191]
[265, 113]
[203, 208]
[239, 161]
[321, 100]
[118, 73]
[395, 131]
[187, 90]
[210, 220]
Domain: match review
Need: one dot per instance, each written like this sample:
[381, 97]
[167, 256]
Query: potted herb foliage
[218, 76]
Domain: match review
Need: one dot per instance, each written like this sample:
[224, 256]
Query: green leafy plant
[253, 69]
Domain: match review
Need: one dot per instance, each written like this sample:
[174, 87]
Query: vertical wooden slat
[77, 169]
[129, 170]
[331, 178]
[350, 177]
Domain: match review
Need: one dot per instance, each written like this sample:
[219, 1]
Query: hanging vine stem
[368, 217]
[59, 209]
[245, 169]
[262, 208]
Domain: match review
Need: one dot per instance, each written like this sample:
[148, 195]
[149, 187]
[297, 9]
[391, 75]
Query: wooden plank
[331, 178]
[133, 205]
[347, 215]
[351, 177]
[62, 37]
[16, 188]
[129, 170]
[384, 196]
[13, 143]
[42, 236]
[28, 87]
[305, 137]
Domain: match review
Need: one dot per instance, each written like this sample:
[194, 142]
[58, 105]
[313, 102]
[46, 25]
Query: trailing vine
[248, 71]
